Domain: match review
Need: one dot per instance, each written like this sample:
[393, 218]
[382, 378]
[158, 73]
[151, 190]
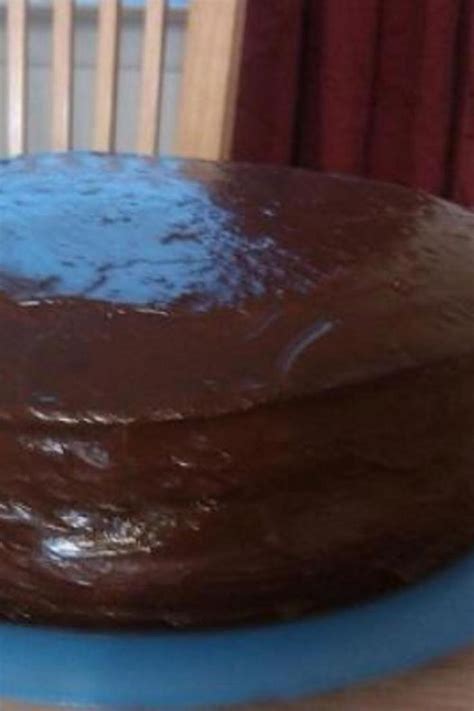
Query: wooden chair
[210, 75]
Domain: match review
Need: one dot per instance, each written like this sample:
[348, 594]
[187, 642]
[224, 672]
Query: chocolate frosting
[227, 391]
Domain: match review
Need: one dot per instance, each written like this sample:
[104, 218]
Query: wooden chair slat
[106, 75]
[151, 76]
[17, 17]
[210, 78]
[62, 75]
[206, 113]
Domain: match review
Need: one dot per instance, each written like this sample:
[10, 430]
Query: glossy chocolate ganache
[227, 392]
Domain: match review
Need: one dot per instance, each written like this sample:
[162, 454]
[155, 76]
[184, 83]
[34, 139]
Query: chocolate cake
[227, 392]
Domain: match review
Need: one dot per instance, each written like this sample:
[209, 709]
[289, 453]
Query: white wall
[39, 49]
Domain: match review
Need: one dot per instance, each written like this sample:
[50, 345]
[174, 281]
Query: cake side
[270, 513]
[228, 392]
[241, 285]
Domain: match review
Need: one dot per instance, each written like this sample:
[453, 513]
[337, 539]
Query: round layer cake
[227, 392]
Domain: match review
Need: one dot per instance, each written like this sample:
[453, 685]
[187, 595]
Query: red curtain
[382, 88]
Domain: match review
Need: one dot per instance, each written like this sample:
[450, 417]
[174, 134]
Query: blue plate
[179, 670]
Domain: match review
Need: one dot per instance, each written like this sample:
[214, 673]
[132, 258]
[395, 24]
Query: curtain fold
[414, 92]
[462, 179]
[382, 88]
[337, 84]
[268, 92]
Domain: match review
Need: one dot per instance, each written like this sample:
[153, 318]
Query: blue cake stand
[175, 670]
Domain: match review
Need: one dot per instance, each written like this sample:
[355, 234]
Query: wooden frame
[209, 83]
[210, 78]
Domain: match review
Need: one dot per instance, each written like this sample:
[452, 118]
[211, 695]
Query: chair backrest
[209, 83]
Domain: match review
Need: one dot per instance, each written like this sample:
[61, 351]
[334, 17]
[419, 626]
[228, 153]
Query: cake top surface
[142, 289]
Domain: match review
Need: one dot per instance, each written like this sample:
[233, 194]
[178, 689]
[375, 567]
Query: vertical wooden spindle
[106, 76]
[151, 77]
[16, 76]
[62, 62]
